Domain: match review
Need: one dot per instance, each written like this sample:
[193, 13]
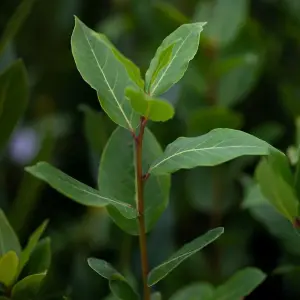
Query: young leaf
[280, 194]
[13, 98]
[28, 287]
[239, 285]
[117, 178]
[8, 268]
[8, 239]
[105, 72]
[165, 70]
[195, 291]
[211, 149]
[33, 240]
[182, 254]
[225, 18]
[152, 108]
[117, 282]
[77, 190]
[15, 23]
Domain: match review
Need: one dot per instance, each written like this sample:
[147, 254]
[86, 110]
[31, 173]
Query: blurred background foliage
[245, 76]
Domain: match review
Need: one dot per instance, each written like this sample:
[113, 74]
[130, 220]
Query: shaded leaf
[33, 240]
[99, 66]
[13, 98]
[154, 109]
[117, 178]
[216, 147]
[156, 296]
[241, 284]
[117, 282]
[28, 287]
[8, 268]
[8, 239]
[77, 190]
[195, 291]
[15, 23]
[184, 42]
[182, 254]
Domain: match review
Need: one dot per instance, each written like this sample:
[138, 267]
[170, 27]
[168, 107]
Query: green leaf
[216, 147]
[152, 108]
[8, 239]
[103, 69]
[241, 284]
[195, 291]
[182, 254]
[225, 19]
[77, 190]
[156, 296]
[117, 282]
[117, 178]
[33, 240]
[273, 186]
[40, 258]
[28, 287]
[13, 98]
[8, 268]
[165, 71]
[15, 23]
[208, 118]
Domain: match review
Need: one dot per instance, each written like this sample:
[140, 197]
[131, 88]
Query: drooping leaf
[8, 238]
[33, 240]
[13, 98]
[8, 268]
[154, 109]
[117, 178]
[103, 69]
[15, 23]
[165, 71]
[77, 190]
[28, 287]
[280, 194]
[241, 284]
[211, 149]
[195, 291]
[225, 18]
[182, 254]
[117, 282]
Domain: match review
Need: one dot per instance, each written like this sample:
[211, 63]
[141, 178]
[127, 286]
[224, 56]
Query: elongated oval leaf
[117, 178]
[211, 149]
[185, 252]
[28, 287]
[241, 284]
[77, 190]
[151, 108]
[33, 240]
[8, 238]
[99, 66]
[13, 98]
[195, 291]
[165, 69]
[117, 282]
[8, 268]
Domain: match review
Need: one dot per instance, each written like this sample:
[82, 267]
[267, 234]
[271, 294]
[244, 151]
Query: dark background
[260, 95]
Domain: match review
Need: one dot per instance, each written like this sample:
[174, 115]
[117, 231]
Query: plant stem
[140, 206]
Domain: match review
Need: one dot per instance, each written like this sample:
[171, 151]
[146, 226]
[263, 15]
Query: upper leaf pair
[106, 70]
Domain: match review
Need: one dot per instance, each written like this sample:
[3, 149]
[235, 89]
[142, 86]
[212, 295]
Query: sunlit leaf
[154, 109]
[117, 282]
[102, 67]
[216, 147]
[8, 239]
[117, 178]
[8, 268]
[182, 254]
[77, 190]
[163, 71]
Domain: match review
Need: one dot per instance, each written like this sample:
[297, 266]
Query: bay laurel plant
[135, 173]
